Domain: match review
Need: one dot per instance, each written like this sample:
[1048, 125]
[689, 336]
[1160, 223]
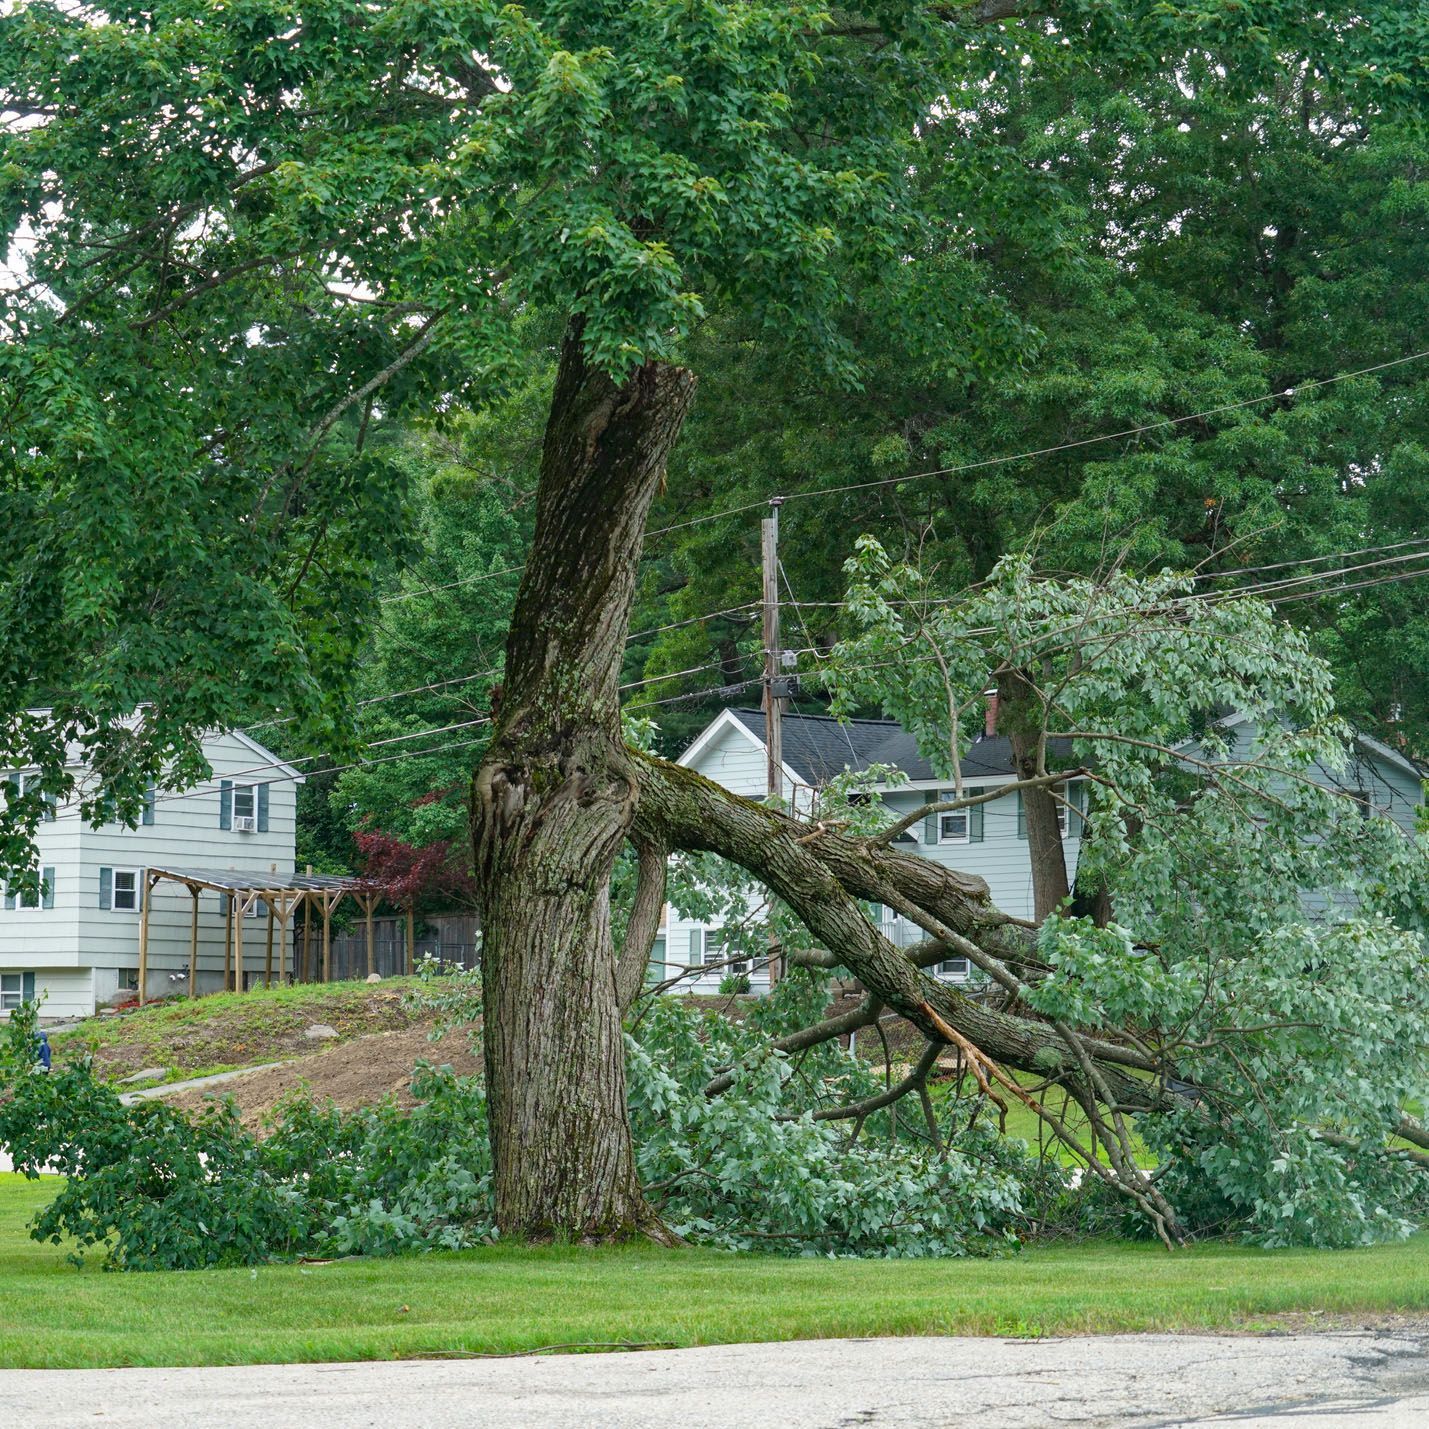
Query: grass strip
[509, 1299]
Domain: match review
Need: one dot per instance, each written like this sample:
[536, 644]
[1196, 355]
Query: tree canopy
[249, 240]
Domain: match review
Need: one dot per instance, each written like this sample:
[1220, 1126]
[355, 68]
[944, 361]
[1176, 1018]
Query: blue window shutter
[1021, 817]
[975, 829]
[930, 822]
[149, 803]
[141, 888]
[27, 987]
[262, 808]
[1076, 815]
[9, 898]
[225, 804]
[106, 888]
[47, 893]
[697, 947]
[51, 806]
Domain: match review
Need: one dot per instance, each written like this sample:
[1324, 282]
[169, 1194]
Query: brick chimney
[989, 726]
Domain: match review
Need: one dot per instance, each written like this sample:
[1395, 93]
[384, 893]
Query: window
[29, 784]
[126, 890]
[43, 897]
[962, 825]
[1064, 795]
[1361, 798]
[120, 889]
[707, 947]
[956, 968]
[13, 990]
[243, 807]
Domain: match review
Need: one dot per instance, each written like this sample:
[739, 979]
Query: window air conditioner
[244, 823]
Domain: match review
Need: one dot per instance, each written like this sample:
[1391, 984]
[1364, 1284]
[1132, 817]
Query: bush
[732, 983]
[749, 1170]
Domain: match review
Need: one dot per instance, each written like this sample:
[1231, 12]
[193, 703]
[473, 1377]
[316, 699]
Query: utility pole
[774, 703]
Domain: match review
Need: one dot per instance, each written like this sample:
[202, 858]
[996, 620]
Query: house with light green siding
[76, 946]
[988, 840]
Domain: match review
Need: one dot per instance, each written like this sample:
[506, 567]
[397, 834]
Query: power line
[497, 669]
[983, 464]
[1113, 436]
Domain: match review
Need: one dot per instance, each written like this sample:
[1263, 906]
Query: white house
[77, 945]
[988, 840]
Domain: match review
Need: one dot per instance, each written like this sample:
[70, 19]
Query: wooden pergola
[283, 896]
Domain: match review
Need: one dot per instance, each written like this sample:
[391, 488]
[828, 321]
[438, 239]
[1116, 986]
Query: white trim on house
[273, 763]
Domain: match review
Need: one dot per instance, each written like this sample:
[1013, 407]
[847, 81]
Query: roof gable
[268, 759]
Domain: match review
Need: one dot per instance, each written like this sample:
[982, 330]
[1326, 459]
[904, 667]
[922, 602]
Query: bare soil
[352, 1074]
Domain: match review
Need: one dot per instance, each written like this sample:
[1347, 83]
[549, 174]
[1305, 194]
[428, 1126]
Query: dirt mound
[192, 1036]
[357, 1073]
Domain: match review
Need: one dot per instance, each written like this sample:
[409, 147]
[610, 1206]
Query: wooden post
[327, 939]
[286, 904]
[145, 890]
[367, 902]
[268, 964]
[228, 948]
[193, 944]
[239, 915]
[411, 943]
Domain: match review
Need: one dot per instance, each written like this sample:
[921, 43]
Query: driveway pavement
[1325, 1381]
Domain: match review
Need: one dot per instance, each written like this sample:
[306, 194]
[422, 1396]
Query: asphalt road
[1317, 1381]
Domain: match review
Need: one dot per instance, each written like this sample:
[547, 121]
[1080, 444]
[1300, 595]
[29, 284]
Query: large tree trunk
[1021, 716]
[552, 803]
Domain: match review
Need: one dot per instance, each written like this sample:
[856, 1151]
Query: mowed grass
[509, 1299]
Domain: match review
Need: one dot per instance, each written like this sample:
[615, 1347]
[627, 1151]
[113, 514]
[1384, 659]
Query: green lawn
[506, 1299]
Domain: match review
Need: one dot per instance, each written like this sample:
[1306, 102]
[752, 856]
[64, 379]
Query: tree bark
[823, 880]
[1020, 717]
[553, 801]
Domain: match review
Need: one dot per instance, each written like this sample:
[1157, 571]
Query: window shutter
[1076, 815]
[149, 804]
[27, 987]
[106, 888]
[51, 806]
[47, 892]
[975, 830]
[9, 898]
[930, 823]
[697, 947]
[225, 804]
[262, 808]
[141, 889]
[1021, 817]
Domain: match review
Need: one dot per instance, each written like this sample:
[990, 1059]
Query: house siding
[734, 759]
[85, 955]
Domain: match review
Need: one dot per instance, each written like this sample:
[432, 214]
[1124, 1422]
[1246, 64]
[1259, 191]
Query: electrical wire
[986, 462]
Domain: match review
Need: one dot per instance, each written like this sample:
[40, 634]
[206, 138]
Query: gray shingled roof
[817, 747]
